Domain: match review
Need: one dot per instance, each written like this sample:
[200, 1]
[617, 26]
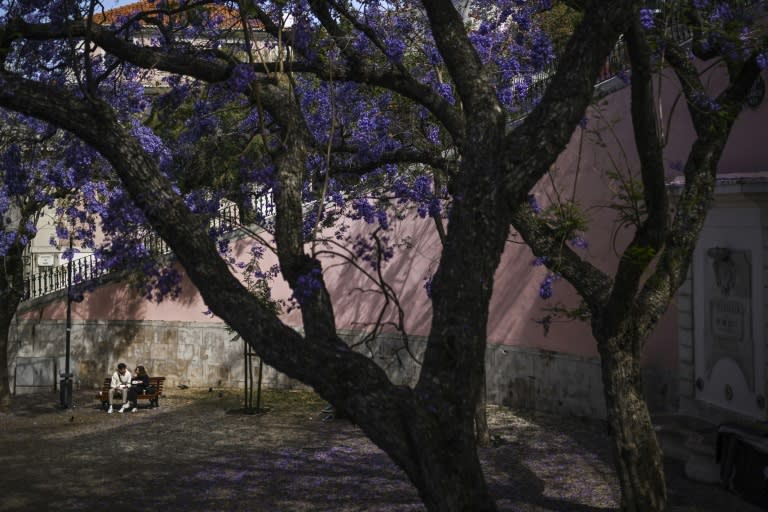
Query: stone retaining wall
[208, 355]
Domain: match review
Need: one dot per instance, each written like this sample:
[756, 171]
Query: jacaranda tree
[20, 206]
[405, 99]
[42, 168]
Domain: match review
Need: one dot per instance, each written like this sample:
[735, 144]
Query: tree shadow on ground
[190, 455]
[517, 487]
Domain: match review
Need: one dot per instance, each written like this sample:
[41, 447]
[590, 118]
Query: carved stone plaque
[728, 332]
[727, 319]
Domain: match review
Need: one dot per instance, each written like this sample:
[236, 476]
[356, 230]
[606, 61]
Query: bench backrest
[157, 382]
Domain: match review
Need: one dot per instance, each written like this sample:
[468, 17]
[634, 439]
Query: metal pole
[66, 381]
[246, 405]
[250, 379]
[258, 389]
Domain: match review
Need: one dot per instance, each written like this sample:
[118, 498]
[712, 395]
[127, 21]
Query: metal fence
[259, 210]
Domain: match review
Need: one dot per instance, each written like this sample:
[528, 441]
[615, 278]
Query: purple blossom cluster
[395, 49]
[151, 143]
[7, 240]
[428, 285]
[14, 177]
[579, 242]
[36, 165]
[242, 77]
[418, 190]
[705, 102]
[373, 249]
[305, 31]
[534, 204]
[337, 197]
[721, 13]
[307, 285]
[363, 209]
[647, 18]
[309, 223]
[545, 288]
[514, 44]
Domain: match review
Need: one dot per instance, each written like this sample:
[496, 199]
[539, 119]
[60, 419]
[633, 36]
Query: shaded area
[193, 456]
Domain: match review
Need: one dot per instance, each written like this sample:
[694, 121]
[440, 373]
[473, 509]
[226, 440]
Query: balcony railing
[88, 268]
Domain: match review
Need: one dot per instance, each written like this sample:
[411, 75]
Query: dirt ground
[194, 453]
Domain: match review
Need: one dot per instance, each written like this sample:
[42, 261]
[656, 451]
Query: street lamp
[66, 375]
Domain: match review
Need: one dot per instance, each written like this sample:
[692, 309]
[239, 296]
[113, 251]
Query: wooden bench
[154, 398]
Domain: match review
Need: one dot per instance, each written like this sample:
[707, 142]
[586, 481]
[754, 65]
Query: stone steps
[692, 441]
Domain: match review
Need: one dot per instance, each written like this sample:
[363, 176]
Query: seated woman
[139, 384]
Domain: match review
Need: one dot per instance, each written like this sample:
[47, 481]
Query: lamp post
[66, 376]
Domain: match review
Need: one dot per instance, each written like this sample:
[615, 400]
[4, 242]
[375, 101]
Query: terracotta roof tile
[112, 15]
[230, 17]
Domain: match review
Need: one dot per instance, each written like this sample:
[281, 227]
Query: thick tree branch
[647, 137]
[458, 53]
[302, 273]
[215, 66]
[347, 379]
[650, 235]
[592, 284]
[691, 86]
[399, 156]
[202, 64]
[697, 195]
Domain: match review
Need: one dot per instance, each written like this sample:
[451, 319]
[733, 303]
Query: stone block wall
[206, 355]
[527, 377]
[186, 353]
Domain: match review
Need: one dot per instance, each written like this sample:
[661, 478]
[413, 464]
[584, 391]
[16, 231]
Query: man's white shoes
[110, 411]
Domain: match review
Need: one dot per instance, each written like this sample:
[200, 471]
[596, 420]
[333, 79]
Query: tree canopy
[458, 107]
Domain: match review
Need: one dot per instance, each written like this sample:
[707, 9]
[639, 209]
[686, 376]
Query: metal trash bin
[65, 389]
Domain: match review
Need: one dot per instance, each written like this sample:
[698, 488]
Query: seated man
[121, 381]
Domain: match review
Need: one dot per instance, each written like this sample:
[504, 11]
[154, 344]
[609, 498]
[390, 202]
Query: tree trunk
[11, 283]
[5, 386]
[456, 483]
[638, 457]
[482, 434]
[443, 462]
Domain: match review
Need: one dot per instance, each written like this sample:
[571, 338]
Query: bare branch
[592, 284]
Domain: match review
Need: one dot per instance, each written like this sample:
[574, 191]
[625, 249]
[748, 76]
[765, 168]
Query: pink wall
[119, 301]
[605, 145]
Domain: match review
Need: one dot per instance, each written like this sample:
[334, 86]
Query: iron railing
[229, 218]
